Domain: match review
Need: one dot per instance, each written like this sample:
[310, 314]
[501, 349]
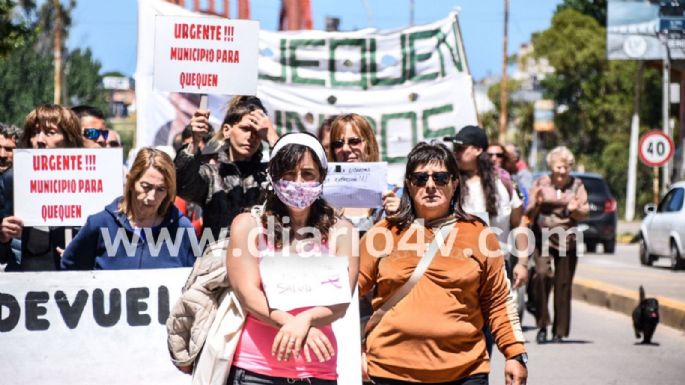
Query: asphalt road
[623, 269]
[601, 350]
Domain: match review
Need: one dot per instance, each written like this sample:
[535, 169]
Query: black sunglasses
[497, 154]
[113, 143]
[94, 133]
[352, 142]
[420, 179]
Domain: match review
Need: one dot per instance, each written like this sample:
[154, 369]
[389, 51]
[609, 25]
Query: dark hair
[239, 106]
[321, 215]
[10, 131]
[84, 110]
[424, 153]
[52, 114]
[324, 128]
[488, 179]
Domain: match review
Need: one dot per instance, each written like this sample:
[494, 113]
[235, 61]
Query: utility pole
[57, 96]
[666, 176]
[632, 152]
[411, 13]
[503, 94]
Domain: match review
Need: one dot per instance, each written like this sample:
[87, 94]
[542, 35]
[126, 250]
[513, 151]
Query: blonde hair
[145, 159]
[560, 153]
[362, 127]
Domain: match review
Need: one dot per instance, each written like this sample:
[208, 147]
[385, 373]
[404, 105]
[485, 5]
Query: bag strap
[421, 268]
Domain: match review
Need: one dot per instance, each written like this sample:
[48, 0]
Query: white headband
[304, 140]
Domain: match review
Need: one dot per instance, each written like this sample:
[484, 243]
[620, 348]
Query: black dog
[645, 317]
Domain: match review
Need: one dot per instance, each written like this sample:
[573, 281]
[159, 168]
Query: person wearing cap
[483, 194]
[236, 180]
[289, 343]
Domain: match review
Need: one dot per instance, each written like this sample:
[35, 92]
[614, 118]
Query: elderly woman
[48, 126]
[434, 333]
[237, 179]
[284, 344]
[150, 230]
[557, 202]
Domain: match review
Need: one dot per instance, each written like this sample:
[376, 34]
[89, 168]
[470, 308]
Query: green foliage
[598, 95]
[597, 9]
[27, 71]
[13, 30]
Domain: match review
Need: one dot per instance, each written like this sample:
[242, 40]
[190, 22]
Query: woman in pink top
[277, 346]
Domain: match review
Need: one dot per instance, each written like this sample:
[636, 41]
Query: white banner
[206, 55]
[62, 187]
[100, 327]
[413, 84]
[108, 327]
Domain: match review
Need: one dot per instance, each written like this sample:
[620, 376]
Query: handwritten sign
[206, 55]
[356, 184]
[61, 187]
[295, 281]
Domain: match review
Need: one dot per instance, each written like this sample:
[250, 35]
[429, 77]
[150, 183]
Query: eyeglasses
[352, 142]
[94, 133]
[113, 143]
[420, 179]
[497, 154]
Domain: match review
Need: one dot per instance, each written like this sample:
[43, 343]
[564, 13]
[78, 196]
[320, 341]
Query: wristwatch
[522, 358]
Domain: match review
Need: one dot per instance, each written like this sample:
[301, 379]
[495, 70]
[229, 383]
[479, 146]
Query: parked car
[600, 226]
[662, 232]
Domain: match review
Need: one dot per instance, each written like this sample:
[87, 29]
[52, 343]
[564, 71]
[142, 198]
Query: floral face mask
[298, 194]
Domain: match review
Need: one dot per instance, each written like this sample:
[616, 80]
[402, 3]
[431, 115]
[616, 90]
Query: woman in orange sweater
[434, 333]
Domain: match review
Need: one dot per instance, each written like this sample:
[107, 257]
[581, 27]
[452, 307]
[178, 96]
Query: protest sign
[62, 187]
[355, 184]
[95, 327]
[412, 84]
[206, 55]
[297, 281]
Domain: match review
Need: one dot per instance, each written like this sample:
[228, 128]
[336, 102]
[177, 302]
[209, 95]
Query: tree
[597, 9]
[597, 95]
[26, 72]
[13, 29]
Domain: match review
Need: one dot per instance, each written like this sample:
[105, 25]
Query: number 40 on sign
[655, 148]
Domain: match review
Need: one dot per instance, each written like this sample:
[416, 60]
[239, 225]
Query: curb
[671, 312]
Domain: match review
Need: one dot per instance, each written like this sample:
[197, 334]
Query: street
[602, 348]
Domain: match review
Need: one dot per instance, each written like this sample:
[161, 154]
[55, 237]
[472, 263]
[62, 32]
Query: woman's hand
[391, 202]
[11, 228]
[199, 125]
[317, 342]
[264, 127]
[572, 205]
[291, 337]
[515, 373]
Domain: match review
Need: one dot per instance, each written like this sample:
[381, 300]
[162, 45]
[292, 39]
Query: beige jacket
[195, 311]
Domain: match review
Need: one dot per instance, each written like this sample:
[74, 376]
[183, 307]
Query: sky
[109, 28]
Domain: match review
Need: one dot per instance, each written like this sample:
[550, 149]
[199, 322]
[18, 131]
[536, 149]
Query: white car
[662, 232]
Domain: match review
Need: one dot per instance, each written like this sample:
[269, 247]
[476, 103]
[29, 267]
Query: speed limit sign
[656, 148]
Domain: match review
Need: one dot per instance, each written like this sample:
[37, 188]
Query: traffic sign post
[656, 150]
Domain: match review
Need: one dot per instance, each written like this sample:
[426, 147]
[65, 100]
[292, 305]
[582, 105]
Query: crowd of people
[434, 313]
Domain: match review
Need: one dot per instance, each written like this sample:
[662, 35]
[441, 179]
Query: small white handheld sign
[295, 281]
[655, 148]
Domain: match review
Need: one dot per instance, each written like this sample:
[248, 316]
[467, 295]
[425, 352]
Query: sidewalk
[612, 281]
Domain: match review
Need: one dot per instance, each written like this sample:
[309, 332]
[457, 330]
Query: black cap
[472, 135]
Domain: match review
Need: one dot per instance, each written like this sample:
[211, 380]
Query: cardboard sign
[206, 55]
[62, 187]
[294, 281]
[96, 327]
[356, 184]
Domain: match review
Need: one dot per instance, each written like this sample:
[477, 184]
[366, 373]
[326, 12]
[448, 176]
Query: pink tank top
[253, 352]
